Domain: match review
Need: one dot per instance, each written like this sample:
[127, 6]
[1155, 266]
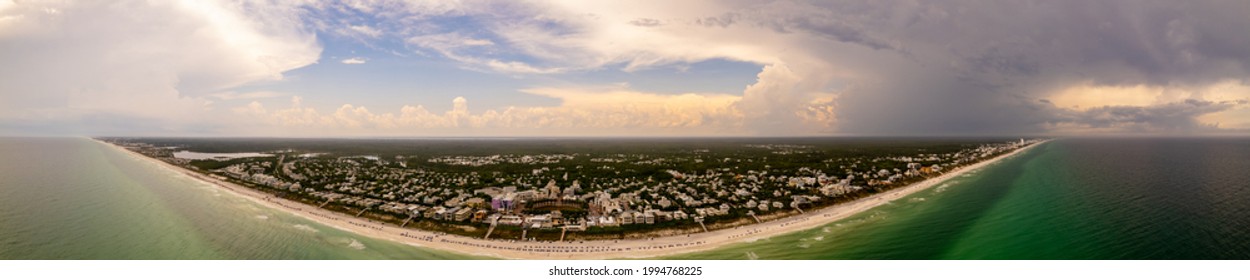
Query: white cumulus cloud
[354, 60]
[582, 111]
[139, 62]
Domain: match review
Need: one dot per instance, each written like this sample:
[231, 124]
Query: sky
[311, 68]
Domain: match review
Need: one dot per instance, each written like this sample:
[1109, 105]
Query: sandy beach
[599, 249]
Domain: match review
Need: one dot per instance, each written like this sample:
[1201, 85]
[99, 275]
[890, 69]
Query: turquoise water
[1067, 199]
[78, 199]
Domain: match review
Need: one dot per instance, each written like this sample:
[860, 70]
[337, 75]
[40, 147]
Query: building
[504, 203]
[475, 202]
[511, 220]
[437, 213]
[606, 221]
[463, 214]
[449, 214]
[551, 191]
[627, 218]
[538, 221]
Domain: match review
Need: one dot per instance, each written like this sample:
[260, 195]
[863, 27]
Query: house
[607, 221]
[664, 216]
[679, 215]
[435, 213]
[575, 227]
[627, 218]
[538, 221]
[449, 214]
[573, 190]
[664, 202]
[511, 220]
[475, 202]
[835, 189]
[551, 191]
[462, 214]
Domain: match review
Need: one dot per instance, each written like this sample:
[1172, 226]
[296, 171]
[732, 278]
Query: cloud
[547, 38]
[645, 22]
[1174, 117]
[969, 67]
[231, 95]
[462, 48]
[354, 60]
[141, 60]
[876, 67]
[362, 30]
[1154, 109]
[582, 111]
[834, 67]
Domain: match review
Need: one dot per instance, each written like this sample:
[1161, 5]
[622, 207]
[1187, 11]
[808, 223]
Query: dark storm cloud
[1157, 42]
[1175, 116]
[981, 66]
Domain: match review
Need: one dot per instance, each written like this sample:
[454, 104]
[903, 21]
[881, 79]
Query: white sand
[598, 249]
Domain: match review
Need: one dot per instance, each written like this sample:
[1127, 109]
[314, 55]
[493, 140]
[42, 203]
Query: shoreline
[593, 249]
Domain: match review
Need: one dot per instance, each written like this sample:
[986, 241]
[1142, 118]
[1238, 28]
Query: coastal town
[578, 194]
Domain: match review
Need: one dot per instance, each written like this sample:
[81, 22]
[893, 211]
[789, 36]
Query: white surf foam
[304, 227]
[356, 245]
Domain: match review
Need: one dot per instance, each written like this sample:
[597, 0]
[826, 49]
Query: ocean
[1067, 199]
[73, 198]
[1132, 198]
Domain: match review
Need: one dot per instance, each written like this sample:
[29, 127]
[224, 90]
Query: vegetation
[388, 178]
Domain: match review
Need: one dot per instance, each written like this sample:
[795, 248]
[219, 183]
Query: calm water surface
[78, 199]
[1068, 199]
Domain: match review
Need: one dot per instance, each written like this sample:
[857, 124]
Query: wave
[304, 227]
[356, 245]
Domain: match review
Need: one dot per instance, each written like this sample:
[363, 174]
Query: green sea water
[64, 198]
[1066, 199]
